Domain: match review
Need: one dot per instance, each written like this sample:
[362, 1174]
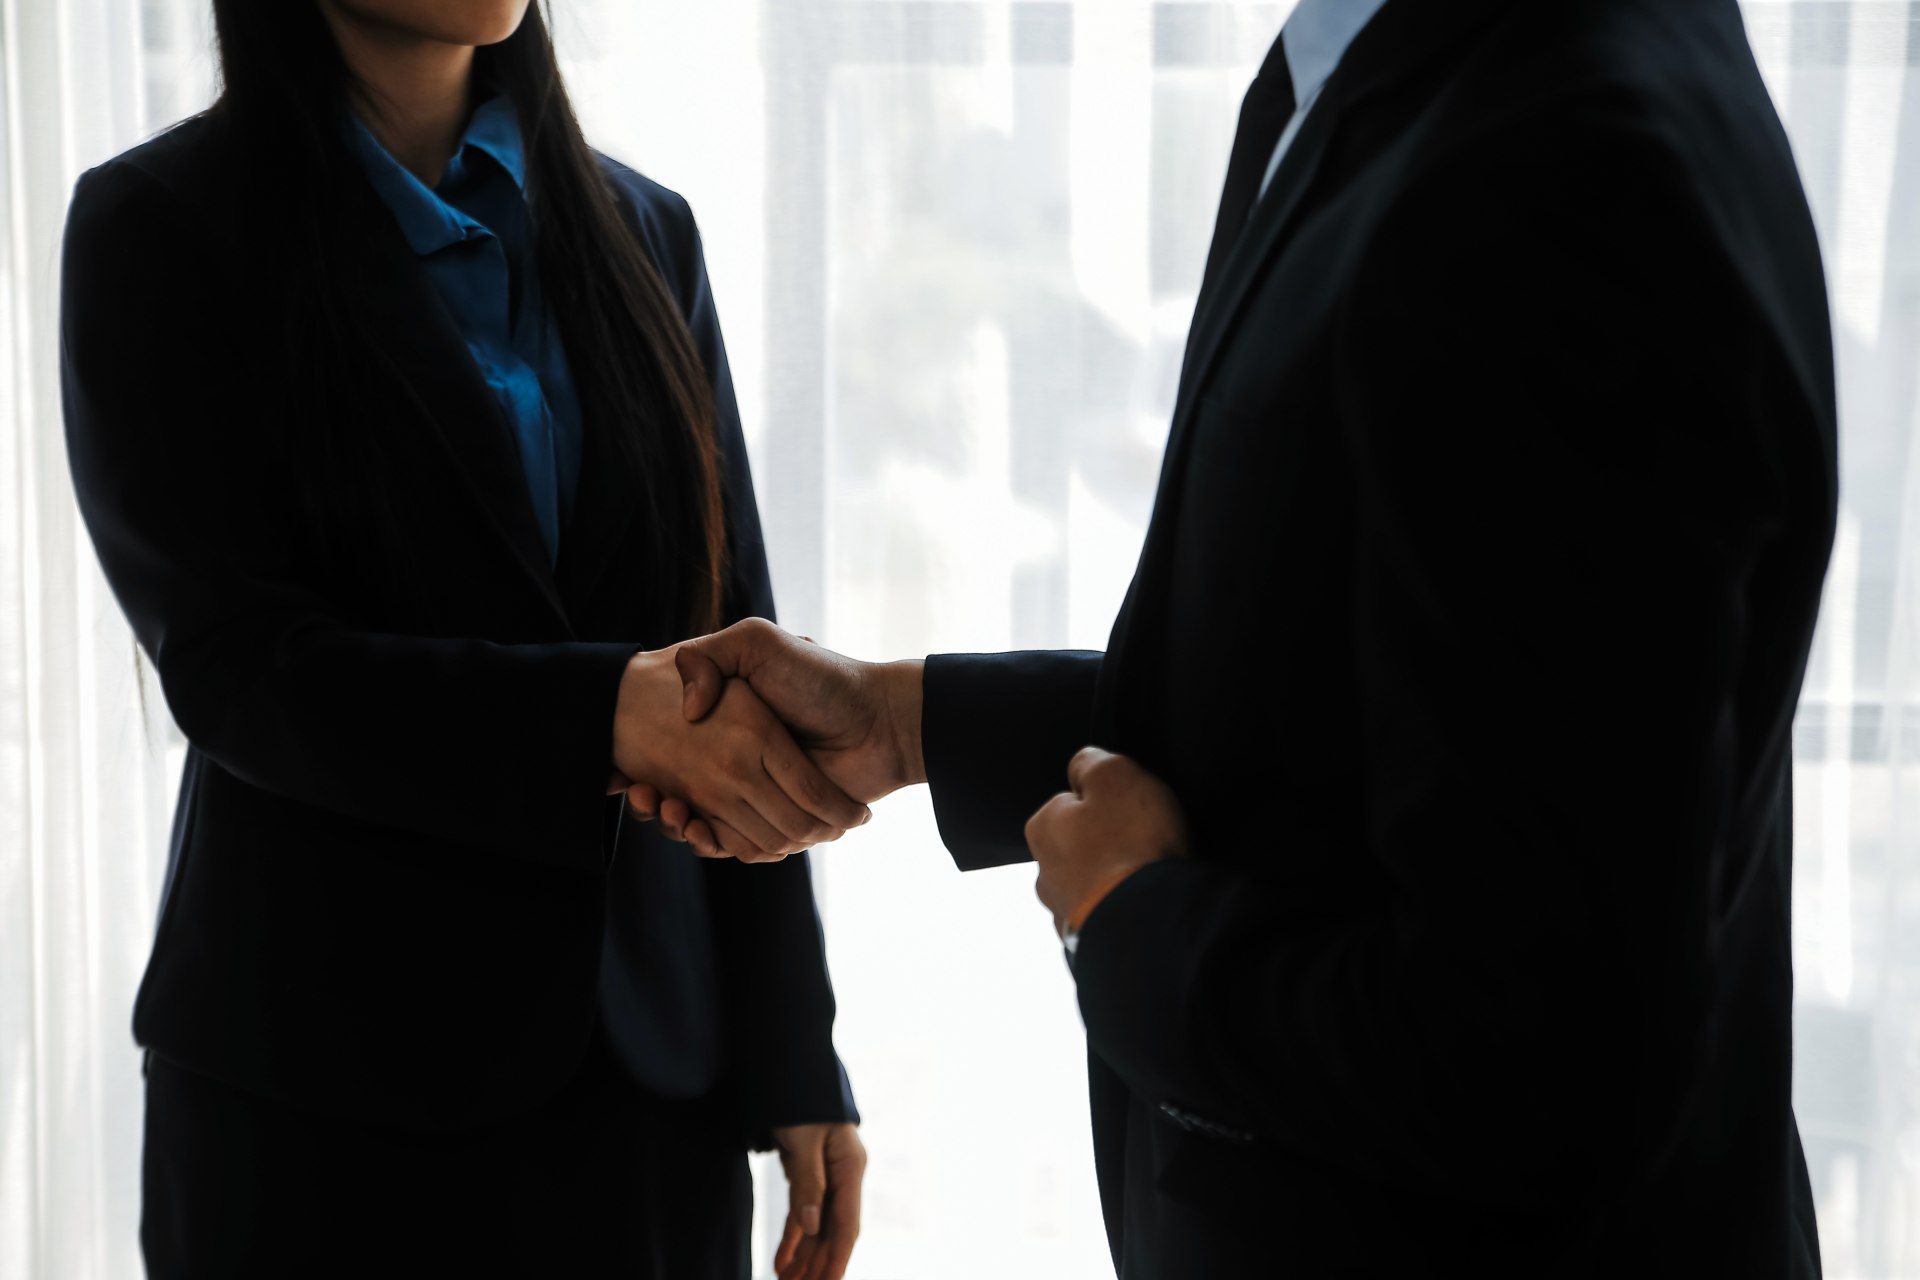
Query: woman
[403, 427]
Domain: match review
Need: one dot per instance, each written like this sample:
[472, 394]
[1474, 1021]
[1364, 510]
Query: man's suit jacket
[1468, 629]
[397, 889]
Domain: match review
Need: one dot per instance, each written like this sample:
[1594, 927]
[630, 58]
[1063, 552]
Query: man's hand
[1116, 818]
[859, 721]
[739, 764]
[825, 1164]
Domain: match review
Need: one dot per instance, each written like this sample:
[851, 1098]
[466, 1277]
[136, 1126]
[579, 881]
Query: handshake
[755, 744]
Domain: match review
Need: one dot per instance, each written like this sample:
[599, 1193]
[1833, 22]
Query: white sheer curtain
[84, 774]
[955, 244]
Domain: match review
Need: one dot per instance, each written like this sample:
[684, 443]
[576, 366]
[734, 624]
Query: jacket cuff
[581, 716]
[996, 731]
[809, 1089]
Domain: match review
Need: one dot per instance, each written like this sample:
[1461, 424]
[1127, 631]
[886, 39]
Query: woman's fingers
[843, 1229]
[799, 1259]
[700, 834]
[643, 801]
[676, 817]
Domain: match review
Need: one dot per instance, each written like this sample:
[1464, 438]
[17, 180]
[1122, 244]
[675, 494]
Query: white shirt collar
[1316, 37]
[1314, 40]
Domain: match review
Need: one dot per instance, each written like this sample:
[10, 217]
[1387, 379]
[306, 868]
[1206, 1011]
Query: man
[1434, 918]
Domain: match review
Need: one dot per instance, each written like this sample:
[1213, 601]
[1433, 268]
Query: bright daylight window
[955, 246]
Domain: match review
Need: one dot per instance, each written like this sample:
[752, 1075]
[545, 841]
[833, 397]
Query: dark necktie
[1263, 118]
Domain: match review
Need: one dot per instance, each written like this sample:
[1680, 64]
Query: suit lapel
[415, 337]
[1402, 37]
[1270, 219]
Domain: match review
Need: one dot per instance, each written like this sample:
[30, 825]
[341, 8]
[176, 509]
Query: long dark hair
[640, 379]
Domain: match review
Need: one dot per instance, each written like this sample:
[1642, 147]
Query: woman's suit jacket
[397, 888]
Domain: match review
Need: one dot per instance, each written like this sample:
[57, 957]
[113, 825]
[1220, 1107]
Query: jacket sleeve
[997, 731]
[182, 489]
[771, 949]
[1567, 486]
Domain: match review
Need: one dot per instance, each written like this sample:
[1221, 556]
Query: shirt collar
[1316, 38]
[426, 220]
[495, 129]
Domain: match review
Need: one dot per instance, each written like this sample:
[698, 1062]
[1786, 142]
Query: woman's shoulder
[664, 216]
[186, 161]
[155, 205]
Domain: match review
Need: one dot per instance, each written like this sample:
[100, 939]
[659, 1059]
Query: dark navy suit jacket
[1469, 630]
[397, 888]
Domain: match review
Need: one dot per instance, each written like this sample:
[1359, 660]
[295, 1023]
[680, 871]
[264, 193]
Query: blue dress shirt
[474, 236]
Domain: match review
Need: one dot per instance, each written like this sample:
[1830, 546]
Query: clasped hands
[735, 763]
[752, 743]
[807, 738]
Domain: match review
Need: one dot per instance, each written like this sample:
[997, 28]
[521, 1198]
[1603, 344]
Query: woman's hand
[738, 764]
[825, 1165]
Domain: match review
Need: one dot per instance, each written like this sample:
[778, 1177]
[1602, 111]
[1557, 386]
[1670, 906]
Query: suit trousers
[601, 1179]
